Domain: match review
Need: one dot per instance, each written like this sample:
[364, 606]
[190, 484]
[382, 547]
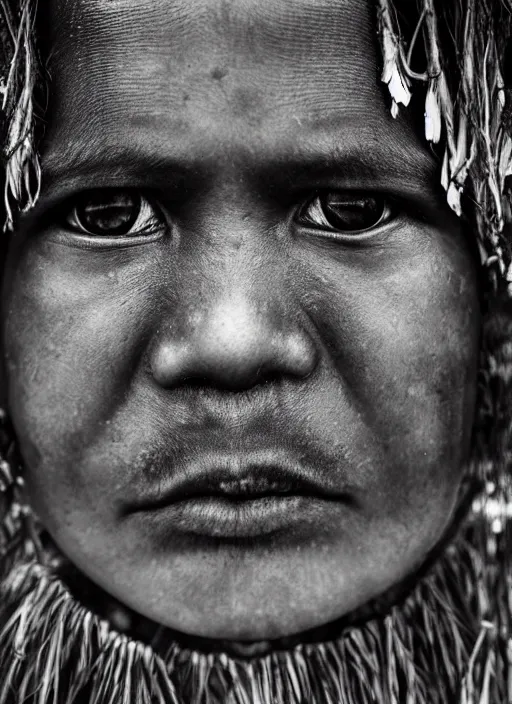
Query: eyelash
[142, 228]
[312, 213]
[146, 218]
[156, 223]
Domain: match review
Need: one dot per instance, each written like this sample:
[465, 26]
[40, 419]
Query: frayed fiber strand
[442, 644]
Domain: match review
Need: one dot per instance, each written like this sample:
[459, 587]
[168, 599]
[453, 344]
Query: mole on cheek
[219, 73]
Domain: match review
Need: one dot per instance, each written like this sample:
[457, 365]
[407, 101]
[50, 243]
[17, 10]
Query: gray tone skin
[233, 328]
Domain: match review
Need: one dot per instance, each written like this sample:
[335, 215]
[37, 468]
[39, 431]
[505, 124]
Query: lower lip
[218, 517]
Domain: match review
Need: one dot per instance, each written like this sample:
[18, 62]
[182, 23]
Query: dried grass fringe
[442, 645]
[467, 109]
[21, 166]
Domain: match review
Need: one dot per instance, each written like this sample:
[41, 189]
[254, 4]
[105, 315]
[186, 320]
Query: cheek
[73, 337]
[403, 338]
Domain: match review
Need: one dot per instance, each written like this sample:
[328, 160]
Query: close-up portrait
[256, 352]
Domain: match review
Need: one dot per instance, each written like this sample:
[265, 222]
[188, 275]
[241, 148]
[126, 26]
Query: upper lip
[239, 478]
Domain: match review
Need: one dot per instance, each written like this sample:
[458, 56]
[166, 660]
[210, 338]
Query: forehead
[217, 78]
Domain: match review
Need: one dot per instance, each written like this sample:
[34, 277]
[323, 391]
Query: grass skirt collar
[445, 641]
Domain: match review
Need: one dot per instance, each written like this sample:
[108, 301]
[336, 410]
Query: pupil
[112, 215]
[353, 213]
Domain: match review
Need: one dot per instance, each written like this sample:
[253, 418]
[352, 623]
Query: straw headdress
[449, 636]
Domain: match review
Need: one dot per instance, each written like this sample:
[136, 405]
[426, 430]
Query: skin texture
[235, 328]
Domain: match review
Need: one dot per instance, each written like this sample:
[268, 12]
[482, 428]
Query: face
[241, 326]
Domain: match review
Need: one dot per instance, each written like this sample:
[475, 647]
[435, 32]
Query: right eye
[114, 213]
[349, 214]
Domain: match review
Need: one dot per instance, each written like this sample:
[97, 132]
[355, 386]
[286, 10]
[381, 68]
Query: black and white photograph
[255, 351]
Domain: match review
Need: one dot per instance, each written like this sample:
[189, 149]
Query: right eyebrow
[99, 166]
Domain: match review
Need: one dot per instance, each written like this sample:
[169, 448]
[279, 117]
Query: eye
[114, 213]
[348, 213]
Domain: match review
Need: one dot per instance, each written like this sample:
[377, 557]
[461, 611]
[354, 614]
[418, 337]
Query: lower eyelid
[92, 242]
[389, 232]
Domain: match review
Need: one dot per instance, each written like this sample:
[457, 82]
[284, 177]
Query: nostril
[232, 366]
[194, 382]
[233, 380]
[232, 386]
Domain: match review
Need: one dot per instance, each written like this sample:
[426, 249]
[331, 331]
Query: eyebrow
[102, 162]
[381, 166]
[382, 163]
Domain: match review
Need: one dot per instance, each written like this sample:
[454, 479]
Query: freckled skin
[359, 359]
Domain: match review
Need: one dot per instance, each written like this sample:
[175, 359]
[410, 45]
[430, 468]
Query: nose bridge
[246, 313]
[244, 328]
[234, 267]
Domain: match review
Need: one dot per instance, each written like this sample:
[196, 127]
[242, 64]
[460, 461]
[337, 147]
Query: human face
[313, 383]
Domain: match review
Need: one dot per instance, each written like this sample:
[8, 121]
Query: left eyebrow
[404, 168]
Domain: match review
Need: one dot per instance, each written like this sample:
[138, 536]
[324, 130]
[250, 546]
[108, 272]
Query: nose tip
[235, 352]
[232, 367]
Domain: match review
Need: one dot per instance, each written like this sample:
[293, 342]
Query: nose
[234, 343]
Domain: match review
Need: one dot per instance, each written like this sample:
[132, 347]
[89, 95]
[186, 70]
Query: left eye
[346, 213]
[117, 213]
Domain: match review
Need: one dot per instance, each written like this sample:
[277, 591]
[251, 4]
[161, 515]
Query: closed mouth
[230, 479]
[233, 497]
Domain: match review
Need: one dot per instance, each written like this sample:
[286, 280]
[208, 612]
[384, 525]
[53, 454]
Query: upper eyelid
[52, 206]
[145, 201]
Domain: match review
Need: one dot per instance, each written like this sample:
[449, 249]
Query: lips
[229, 480]
[233, 496]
